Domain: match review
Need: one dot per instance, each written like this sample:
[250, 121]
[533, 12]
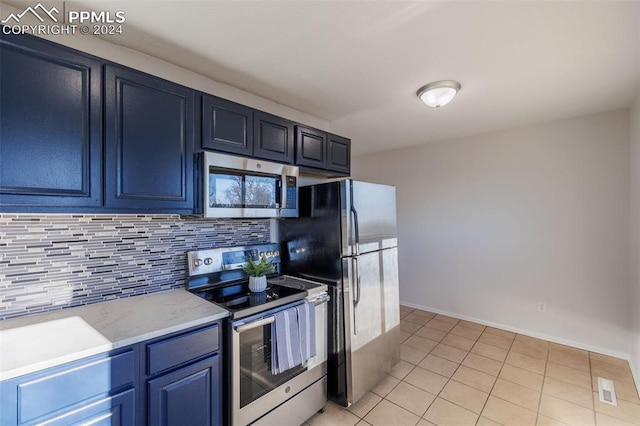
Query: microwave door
[224, 193]
[236, 187]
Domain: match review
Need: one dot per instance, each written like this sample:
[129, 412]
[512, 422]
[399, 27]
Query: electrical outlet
[542, 307]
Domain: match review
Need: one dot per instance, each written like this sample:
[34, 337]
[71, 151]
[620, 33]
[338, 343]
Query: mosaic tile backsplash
[50, 262]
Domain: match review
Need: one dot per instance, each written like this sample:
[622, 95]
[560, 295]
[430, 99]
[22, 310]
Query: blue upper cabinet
[78, 134]
[324, 153]
[149, 140]
[273, 137]
[236, 129]
[338, 154]
[227, 126]
[50, 127]
[311, 147]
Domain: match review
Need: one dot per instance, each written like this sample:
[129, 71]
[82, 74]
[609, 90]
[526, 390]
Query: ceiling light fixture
[438, 93]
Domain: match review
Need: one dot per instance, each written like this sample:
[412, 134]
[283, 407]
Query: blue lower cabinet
[102, 385]
[116, 388]
[188, 396]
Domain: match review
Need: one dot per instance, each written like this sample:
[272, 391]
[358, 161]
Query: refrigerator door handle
[356, 227]
[356, 296]
[356, 230]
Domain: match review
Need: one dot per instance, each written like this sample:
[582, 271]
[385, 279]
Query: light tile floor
[461, 373]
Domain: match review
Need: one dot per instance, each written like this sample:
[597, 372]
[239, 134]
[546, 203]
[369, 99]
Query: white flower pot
[257, 284]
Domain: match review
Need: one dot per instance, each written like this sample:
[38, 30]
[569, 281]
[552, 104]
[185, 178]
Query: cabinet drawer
[181, 349]
[62, 387]
[117, 410]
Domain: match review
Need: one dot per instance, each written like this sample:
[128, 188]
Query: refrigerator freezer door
[372, 319]
[372, 217]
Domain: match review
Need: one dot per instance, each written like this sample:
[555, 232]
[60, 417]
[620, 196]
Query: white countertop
[39, 341]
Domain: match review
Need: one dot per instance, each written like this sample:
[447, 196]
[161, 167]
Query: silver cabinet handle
[254, 324]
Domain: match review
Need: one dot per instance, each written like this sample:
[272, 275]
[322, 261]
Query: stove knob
[208, 261]
[261, 254]
[197, 262]
[269, 254]
[276, 253]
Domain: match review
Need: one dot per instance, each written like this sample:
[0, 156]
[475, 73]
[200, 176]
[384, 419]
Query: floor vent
[607, 391]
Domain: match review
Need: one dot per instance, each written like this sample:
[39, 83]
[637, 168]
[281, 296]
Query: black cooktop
[241, 302]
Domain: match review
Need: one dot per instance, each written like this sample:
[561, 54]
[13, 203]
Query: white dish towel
[292, 337]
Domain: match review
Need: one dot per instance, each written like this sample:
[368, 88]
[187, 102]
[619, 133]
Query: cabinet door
[188, 396]
[50, 132]
[273, 138]
[226, 126]
[311, 145]
[339, 154]
[149, 143]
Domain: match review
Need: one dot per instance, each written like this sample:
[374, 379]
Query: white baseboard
[636, 374]
[554, 339]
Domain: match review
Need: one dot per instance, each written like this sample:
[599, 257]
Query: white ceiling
[358, 64]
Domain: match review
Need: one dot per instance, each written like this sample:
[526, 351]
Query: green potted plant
[258, 273]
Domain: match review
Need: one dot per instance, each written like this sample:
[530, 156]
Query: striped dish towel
[307, 322]
[292, 337]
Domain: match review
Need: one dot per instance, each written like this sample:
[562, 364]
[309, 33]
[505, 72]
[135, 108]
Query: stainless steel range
[255, 395]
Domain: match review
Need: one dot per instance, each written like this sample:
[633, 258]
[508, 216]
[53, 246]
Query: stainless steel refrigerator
[346, 237]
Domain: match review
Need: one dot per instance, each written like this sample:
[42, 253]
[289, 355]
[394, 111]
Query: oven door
[255, 389]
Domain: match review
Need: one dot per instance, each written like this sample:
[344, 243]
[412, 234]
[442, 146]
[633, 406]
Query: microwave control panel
[292, 192]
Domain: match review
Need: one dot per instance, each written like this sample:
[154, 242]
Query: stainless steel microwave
[241, 187]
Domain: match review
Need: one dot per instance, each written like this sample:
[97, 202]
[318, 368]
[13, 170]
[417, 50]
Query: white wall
[492, 224]
[635, 241]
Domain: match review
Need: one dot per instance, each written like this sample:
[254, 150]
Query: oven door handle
[254, 324]
[324, 298]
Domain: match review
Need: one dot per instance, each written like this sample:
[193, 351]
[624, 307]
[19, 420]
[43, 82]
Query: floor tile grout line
[450, 379]
[400, 381]
[544, 375]
[419, 415]
[496, 379]
[384, 398]
[494, 383]
[544, 379]
[446, 383]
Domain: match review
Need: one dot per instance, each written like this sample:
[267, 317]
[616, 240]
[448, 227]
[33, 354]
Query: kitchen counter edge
[35, 342]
